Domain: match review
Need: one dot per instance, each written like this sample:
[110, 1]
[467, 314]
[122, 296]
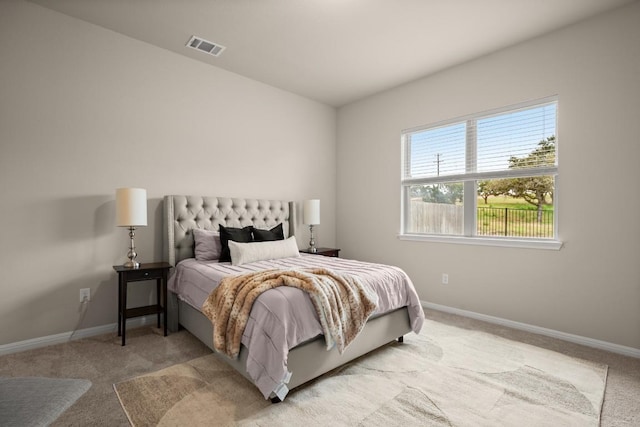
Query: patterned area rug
[446, 376]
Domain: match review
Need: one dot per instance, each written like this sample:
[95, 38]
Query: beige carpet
[444, 376]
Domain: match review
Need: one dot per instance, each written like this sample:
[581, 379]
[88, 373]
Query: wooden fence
[436, 218]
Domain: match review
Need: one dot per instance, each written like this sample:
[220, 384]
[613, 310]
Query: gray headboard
[184, 213]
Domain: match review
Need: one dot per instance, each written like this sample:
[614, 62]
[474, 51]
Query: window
[488, 177]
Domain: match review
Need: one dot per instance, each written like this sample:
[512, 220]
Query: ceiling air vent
[205, 46]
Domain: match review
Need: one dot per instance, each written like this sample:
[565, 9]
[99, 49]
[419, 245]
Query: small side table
[332, 252]
[150, 271]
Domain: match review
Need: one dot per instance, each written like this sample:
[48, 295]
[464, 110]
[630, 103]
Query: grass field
[506, 216]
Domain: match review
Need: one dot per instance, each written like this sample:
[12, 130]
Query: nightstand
[333, 252]
[158, 271]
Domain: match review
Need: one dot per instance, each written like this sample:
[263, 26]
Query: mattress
[284, 317]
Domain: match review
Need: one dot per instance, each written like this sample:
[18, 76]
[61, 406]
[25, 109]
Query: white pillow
[208, 245]
[243, 253]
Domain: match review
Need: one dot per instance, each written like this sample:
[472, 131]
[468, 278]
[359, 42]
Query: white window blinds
[436, 152]
[519, 141]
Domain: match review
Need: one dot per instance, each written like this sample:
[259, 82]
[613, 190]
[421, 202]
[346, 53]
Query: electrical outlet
[445, 279]
[85, 295]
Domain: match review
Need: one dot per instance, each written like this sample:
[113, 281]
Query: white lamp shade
[311, 212]
[131, 207]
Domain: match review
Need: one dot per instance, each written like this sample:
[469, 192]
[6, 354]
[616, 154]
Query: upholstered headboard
[184, 213]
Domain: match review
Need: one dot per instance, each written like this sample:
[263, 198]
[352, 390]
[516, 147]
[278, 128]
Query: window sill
[486, 241]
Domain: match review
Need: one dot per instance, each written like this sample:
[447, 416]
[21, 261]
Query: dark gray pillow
[241, 235]
[276, 233]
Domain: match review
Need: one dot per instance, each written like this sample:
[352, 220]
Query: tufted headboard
[184, 213]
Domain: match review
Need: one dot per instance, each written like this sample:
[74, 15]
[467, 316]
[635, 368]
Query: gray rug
[33, 401]
[445, 376]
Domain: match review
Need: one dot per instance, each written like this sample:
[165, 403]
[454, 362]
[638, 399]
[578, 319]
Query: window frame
[470, 180]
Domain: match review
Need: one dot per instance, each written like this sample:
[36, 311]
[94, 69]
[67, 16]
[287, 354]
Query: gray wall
[83, 111]
[591, 287]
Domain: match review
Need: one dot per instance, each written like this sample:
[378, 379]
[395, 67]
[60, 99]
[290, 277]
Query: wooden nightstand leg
[164, 302]
[124, 310]
[119, 304]
[158, 298]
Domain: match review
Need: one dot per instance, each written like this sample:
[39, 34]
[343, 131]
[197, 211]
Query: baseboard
[577, 339]
[73, 335]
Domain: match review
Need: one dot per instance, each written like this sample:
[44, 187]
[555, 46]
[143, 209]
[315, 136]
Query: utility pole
[438, 164]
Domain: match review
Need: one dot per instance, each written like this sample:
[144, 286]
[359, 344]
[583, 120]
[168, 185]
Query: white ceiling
[334, 51]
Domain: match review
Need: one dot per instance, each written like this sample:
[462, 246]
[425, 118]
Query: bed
[307, 358]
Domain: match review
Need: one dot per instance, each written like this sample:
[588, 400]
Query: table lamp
[311, 217]
[131, 211]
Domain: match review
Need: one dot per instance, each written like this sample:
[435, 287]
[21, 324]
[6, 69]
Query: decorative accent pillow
[208, 245]
[242, 235]
[276, 233]
[243, 253]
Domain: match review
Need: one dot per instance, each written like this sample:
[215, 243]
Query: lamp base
[132, 254]
[312, 241]
[132, 264]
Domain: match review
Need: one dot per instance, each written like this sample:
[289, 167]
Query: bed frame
[306, 361]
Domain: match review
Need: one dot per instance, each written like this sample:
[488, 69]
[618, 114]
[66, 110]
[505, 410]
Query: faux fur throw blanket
[343, 304]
